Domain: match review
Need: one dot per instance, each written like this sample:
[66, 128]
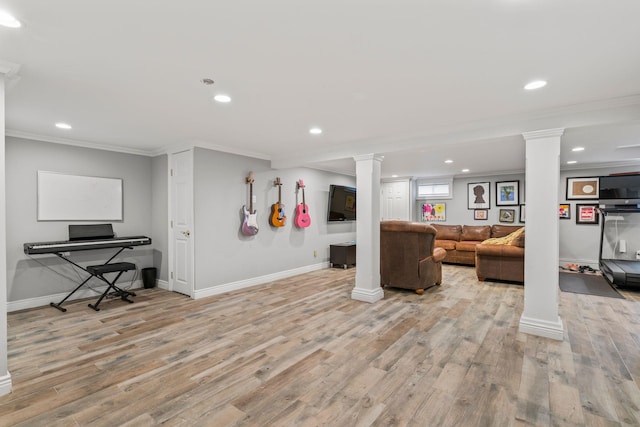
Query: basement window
[441, 188]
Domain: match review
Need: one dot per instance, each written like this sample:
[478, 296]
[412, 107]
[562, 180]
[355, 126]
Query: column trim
[546, 133]
[542, 328]
[368, 156]
[367, 295]
[5, 384]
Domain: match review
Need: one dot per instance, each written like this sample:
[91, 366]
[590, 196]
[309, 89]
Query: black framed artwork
[584, 188]
[480, 214]
[507, 193]
[507, 215]
[478, 195]
[587, 214]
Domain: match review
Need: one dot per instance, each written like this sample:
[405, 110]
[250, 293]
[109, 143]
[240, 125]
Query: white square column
[5, 377]
[368, 229]
[541, 257]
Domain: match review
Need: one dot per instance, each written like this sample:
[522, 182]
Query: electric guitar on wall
[250, 223]
[303, 220]
[278, 218]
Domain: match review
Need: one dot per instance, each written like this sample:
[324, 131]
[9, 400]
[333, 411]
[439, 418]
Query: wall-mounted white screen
[78, 198]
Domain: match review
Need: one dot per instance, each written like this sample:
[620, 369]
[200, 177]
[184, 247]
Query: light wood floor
[300, 352]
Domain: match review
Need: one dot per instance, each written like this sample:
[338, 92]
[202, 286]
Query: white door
[181, 275]
[395, 200]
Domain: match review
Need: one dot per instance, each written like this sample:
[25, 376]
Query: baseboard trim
[542, 328]
[591, 263]
[5, 384]
[24, 304]
[367, 295]
[254, 281]
[163, 284]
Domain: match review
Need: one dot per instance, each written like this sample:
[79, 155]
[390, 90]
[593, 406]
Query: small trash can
[149, 275]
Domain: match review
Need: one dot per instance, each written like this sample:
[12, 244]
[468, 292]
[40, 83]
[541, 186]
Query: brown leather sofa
[408, 256]
[501, 259]
[460, 241]
[500, 262]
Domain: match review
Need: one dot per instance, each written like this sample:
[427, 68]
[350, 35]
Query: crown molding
[75, 143]
[210, 146]
[331, 170]
[603, 165]
[10, 72]
[9, 69]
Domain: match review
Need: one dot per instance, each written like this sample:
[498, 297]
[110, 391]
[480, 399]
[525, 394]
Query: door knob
[187, 233]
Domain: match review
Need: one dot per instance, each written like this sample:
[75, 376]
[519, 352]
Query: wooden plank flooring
[301, 352]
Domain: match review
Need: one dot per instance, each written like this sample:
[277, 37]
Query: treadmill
[618, 272]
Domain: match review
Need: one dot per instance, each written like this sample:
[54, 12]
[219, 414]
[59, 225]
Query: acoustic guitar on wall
[278, 218]
[250, 223]
[303, 220]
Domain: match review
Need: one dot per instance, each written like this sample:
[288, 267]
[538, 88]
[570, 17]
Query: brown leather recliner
[408, 258]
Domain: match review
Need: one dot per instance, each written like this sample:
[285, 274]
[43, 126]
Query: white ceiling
[415, 81]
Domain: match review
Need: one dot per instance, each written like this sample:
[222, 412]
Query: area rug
[590, 284]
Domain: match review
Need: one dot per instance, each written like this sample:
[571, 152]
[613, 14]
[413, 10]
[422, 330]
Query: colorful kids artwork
[434, 212]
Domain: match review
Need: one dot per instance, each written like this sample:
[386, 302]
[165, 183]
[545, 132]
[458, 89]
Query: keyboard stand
[98, 271]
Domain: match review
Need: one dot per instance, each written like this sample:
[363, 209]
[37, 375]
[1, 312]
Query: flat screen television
[342, 203]
[619, 190]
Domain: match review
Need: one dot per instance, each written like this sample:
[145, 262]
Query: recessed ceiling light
[394, 176]
[63, 125]
[577, 149]
[572, 162]
[536, 84]
[315, 131]
[7, 20]
[465, 170]
[222, 98]
[448, 161]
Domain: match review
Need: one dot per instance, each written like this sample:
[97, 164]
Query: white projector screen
[78, 198]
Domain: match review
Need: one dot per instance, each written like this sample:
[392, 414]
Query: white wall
[457, 207]
[579, 243]
[43, 275]
[223, 254]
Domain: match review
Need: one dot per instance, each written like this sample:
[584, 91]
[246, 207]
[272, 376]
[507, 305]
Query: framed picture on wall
[587, 214]
[434, 212]
[478, 195]
[522, 213]
[481, 214]
[507, 215]
[583, 188]
[507, 193]
[565, 211]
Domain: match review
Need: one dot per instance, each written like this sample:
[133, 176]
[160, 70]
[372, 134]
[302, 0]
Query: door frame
[171, 240]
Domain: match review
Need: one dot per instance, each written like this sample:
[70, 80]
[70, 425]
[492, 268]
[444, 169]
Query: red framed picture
[587, 214]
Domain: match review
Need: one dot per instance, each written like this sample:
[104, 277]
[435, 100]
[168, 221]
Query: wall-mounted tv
[619, 190]
[342, 203]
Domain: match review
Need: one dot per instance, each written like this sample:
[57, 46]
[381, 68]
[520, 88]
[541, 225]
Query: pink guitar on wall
[303, 220]
[250, 223]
